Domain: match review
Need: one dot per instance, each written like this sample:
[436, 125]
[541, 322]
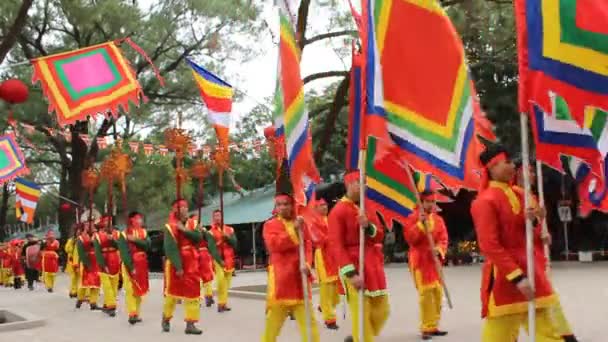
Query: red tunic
[498, 214]
[188, 286]
[344, 243]
[50, 258]
[325, 264]
[205, 262]
[284, 276]
[139, 278]
[109, 250]
[421, 262]
[5, 258]
[224, 248]
[89, 277]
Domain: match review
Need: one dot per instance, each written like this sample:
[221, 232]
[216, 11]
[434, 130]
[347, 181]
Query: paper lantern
[14, 91]
[65, 207]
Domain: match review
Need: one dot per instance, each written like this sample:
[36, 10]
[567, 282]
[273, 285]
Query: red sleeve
[276, 239]
[440, 235]
[337, 228]
[308, 246]
[411, 232]
[484, 217]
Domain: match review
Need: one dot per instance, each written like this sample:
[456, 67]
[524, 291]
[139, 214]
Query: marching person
[71, 266]
[182, 273]
[90, 281]
[17, 271]
[133, 245]
[208, 255]
[345, 222]
[30, 252]
[500, 216]
[285, 293]
[50, 260]
[422, 222]
[325, 267]
[5, 265]
[226, 244]
[108, 259]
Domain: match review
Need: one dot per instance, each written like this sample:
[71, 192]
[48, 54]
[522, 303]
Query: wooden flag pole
[525, 151]
[304, 277]
[362, 156]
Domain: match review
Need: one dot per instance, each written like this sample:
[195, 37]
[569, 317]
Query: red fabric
[226, 251]
[205, 264]
[189, 284]
[284, 262]
[501, 237]
[111, 255]
[50, 259]
[321, 241]
[17, 265]
[139, 277]
[90, 275]
[343, 240]
[351, 177]
[420, 255]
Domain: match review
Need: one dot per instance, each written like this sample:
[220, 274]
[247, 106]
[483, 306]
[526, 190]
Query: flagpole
[362, 156]
[304, 277]
[541, 202]
[525, 150]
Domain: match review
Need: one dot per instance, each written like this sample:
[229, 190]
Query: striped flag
[355, 111]
[290, 101]
[27, 195]
[217, 95]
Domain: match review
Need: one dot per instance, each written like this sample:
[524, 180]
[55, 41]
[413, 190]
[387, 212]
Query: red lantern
[65, 207]
[14, 91]
[269, 132]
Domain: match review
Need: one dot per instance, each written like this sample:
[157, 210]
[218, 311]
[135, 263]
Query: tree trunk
[3, 211]
[11, 35]
[65, 217]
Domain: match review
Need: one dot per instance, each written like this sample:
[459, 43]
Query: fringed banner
[12, 161]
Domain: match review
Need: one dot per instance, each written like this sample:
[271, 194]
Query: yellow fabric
[109, 284]
[329, 300]
[290, 228]
[506, 328]
[207, 289]
[74, 277]
[92, 293]
[5, 276]
[560, 323]
[223, 280]
[132, 302]
[429, 301]
[511, 196]
[49, 279]
[321, 269]
[276, 315]
[375, 313]
[192, 311]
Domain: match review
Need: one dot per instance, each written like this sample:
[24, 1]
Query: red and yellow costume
[327, 272]
[90, 281]
[72, 266]
[50, 260]
[17, 269]
[499, 216]
[208, 255]
[344, 242]
[422, 265]
[285, 294]
[108, 259]
[133, 245]
[182, 255]
[6, 265]
[226, 244]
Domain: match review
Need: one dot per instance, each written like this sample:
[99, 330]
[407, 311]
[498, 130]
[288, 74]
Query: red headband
[351, 177]
[429, 196]
[282, 197]
[320, 202]
[485, 177]
[180, 203]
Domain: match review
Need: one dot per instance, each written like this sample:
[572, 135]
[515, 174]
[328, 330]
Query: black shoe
[94, 307]
[292, 317]
[72, 295]
[569, 338]
[132, 320]
[332, 326]
[138, 319]
[31, 287]
[191, 329]
[222, 308]
[166, 325]
[427, 337]
[319, 308]
[208, 301]
[111, 312]
[349, 339]
[49, 290]
[438, 333]
[78, 304]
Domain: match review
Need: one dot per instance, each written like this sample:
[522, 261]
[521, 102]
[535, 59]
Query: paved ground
[583, 289]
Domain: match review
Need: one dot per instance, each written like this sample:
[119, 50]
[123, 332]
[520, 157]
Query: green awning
[255, 206]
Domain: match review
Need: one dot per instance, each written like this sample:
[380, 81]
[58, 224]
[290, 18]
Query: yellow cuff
[518, 272]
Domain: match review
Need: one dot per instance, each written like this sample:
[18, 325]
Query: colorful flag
[427, 182]
[26, 199]
[217, 95]
[86, 82]
[389, 189]
[563, 48]
[12, 162]
[355, 112]
[424, 89]
[302, 168]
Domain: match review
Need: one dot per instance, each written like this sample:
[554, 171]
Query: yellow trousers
[49, 280]
[375, 313]
[192, 311]
[132, 301]
[560, 323]
[329, 300]
[207, 289]
[109, 284]
[276, 315]
[506, 328]
[223, 280]
[74, 277]
[5, 275]
[429, 301]
[91, 293]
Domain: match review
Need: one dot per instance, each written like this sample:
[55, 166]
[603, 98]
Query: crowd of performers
[98, 255]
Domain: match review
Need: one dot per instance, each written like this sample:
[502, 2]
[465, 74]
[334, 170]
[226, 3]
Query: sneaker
[78, 304]
[191, 329]
[166, 325]
[438, 333]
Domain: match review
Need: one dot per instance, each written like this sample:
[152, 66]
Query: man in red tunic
[325, 266]
[50, 260]
[226, 245]
[499, 216]
[345, 222]
[422, 264]
[89, 274]
[208, 254]
[133, 245]
[182, 273]
[285, 294]
[108, 258]
[17, 262]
